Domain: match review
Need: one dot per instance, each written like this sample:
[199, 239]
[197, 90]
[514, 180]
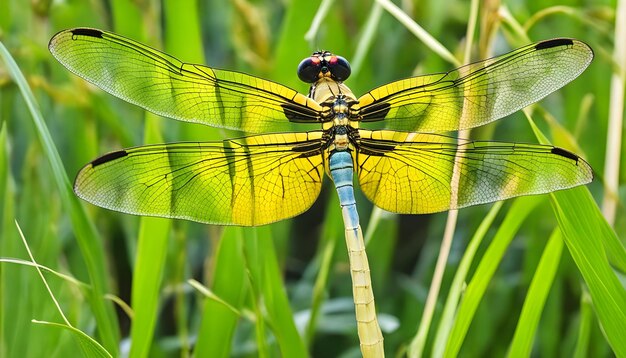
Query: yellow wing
[414, 173]
[478, 93]
[162, 84]
[249, 181]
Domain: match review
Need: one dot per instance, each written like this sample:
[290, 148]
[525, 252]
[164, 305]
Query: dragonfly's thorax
[338, 99]
[327, 89]
[340, 110]
[341, 123]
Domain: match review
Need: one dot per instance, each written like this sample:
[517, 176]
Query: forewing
[478, 93]
[250, 181]
[162, 84]
[414, 173]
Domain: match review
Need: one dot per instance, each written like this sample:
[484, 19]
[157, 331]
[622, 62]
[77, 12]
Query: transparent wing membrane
[415, 173]
[164, 85]
[269, 177]
[478, 93]
[250, 181]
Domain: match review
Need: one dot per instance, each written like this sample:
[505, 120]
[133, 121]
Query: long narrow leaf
[89, 346]
[87, 237]
[584, 230]
[276, 302]
[484, 273]
[229, 284]
[149, 267]
[584, 328]
[456, 288]
[536, 297]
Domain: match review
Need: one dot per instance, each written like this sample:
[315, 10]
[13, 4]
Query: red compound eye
[339, 68]
[309, 69]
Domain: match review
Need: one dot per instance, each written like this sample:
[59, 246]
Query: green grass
[538, 275]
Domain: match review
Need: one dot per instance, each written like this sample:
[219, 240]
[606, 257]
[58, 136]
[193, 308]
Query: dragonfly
[412, 166]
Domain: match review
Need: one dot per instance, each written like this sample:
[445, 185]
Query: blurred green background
[284, 289]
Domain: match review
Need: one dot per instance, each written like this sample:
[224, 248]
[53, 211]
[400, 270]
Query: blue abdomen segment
[341, 171]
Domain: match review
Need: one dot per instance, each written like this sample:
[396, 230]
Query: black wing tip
[565, 153]
[85, 31]
[580, 162]
[109, 157]
[79, 31]
[554, 43]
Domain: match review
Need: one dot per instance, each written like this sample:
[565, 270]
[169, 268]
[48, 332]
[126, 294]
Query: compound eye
[339, 68]
[309, 69]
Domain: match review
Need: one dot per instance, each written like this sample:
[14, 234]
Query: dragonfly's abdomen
[341, 171]
[370, 336]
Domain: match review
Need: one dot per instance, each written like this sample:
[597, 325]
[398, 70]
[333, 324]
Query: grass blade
[149, 266]
[520, 209]
[230, 284]
[88, 345]
[585, 230]
[147, 280]
[584, 328]
[616, 117]
[456, 288]
[536, 297]
[419, 32]
[333, 229]
[275, 299]
[87, 237]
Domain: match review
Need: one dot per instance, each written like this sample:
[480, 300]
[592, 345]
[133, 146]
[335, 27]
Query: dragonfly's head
[323, 64]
